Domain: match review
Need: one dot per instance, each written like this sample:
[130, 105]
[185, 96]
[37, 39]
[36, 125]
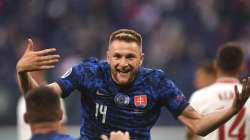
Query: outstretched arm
[204, 124]
[33, 61]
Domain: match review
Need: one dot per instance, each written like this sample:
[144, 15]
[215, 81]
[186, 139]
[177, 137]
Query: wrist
[19, 69]
[234, 110]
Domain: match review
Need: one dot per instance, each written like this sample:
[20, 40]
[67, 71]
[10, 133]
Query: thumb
[29, 45]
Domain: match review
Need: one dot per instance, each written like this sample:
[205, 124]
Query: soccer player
[229, 62]
[44, 114]
[23, 129]
[116, 136]
[119, 93]
[204, 75]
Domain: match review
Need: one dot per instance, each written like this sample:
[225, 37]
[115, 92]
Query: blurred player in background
[120, 94]
[204, 75]
[23, 129]
[229, 63]
[44, 114]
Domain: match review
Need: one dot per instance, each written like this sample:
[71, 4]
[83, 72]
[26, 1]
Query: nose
[124, 62]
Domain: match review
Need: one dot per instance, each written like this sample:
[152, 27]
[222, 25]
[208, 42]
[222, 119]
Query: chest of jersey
[110, 105]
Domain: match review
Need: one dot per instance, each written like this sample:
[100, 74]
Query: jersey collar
[227, 80]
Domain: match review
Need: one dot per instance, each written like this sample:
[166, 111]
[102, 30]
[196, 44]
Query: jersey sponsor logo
[140, 101]
[121, 100]
[67, 73]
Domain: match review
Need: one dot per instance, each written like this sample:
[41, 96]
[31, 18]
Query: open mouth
[124, 70]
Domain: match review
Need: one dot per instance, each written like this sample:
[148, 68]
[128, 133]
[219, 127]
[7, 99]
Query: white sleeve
[23, 129]
[195, 102]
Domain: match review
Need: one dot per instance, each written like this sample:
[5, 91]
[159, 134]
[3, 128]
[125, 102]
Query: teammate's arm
[34, 61]
[204, 124]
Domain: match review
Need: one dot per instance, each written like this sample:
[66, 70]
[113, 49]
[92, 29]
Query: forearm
[25, 82]
[212, 121]
[204, 124]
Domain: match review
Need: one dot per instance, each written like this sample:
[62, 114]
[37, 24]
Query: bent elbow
[198, 131]
[203, 134]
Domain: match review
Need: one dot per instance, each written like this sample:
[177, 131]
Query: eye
[117, 56]
[131, 56]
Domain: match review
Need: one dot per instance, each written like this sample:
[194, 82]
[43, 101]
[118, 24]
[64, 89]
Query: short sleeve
[172, 97]
[71, 80]
[195, 102]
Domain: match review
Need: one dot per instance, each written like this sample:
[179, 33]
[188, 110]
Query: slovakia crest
[140, 101]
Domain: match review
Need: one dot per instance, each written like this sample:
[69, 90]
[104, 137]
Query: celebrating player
[120, 94]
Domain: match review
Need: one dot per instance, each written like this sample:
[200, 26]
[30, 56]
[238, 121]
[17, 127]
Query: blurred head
[229, 59]
[205, 75]
[124, 55]
[43, 105]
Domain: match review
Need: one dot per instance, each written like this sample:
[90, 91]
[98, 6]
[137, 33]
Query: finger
[48, 62]
[46, 67]
[237, 94]
[248, 88]
[113, 135]
[29, 45]
[244, 86]
[127, 135]
[119, 132]
[104, 137]
[46, 51]
[48, 57]
[39, 68]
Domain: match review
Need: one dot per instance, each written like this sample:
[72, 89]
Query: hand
[241, 98]
[116, 136]
[36, 60]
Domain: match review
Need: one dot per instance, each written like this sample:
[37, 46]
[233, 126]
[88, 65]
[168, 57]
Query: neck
[43, 128]
[221, 74]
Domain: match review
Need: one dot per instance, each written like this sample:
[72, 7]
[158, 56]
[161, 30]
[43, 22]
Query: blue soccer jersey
[106, 107]
[51, 136]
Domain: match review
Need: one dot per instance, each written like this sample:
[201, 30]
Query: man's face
[124, 58]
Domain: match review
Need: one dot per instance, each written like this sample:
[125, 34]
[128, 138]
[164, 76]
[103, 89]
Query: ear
[26, 117]
[142, 58]
[243, 68]
[108, 56]
[215, 65]
[60, 114]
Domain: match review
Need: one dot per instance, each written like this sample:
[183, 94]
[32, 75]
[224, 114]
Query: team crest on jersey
[140, 101]
[67, 73]
[121, 100]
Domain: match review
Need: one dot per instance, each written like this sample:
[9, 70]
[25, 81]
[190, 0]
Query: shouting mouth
[124, 70]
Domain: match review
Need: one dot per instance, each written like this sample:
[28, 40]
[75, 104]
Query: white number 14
[102, 110]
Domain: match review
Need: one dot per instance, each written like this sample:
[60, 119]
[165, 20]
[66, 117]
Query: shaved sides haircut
[126, 35]
[43, 105]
